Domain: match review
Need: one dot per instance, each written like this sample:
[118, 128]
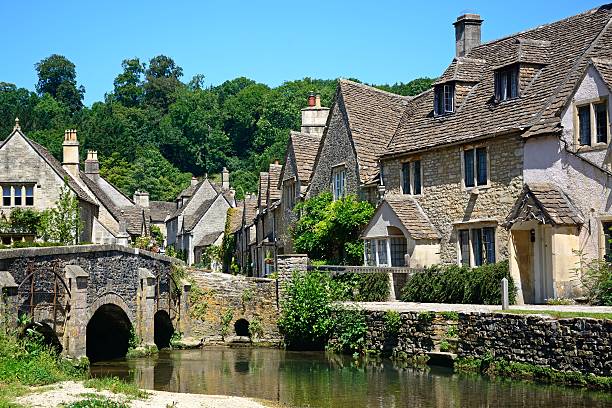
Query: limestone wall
[576, 344]
[215, 295]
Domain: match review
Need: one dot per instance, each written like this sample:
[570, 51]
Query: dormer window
[444, 99]
[506, 83]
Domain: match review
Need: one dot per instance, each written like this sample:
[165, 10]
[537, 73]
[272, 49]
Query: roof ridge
[607, 7]
[372, 88]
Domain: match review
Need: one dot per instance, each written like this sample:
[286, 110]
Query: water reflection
[318, 380]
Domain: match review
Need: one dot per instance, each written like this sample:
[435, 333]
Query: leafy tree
[15, 102]
[62, 223]
[329, 230]
[414, 87]
[162, 80]
[129, 89]
[57, 77]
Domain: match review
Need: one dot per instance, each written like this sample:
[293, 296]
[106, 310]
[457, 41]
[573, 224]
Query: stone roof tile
[412, 217]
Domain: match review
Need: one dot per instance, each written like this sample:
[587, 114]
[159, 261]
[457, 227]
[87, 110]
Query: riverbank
[69, 392]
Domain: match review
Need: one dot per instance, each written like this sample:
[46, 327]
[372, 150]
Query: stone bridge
[91, 300]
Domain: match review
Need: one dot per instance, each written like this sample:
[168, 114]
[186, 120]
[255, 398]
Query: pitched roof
[412, 217]
[604, 67]
[263, 188]
[208, 239]
[274, 173]
[373, 116]
[190, 221]
[235, 217]
[304, 147]
[545, 203]
[250, 211]
[160, 210]
[463, 69]
[565, 46]
[57, 167]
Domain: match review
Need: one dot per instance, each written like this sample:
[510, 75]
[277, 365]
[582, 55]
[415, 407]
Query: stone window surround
[375, 241]
[514, 72]
[440, 93]
[470, 225]
[462, 158]
[289, 185]
[23, 185]
[335, 169]
[601, 234]
[411, 160]
[594, 144]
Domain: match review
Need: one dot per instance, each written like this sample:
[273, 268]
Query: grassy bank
[560, 314]
[522, 371]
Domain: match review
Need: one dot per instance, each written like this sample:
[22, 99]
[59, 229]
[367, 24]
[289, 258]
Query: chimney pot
[70, 157]
[467, 33]
[225, 178]
[141, 199]
[92, 166]
[311, 100]
[318, 101]
[194, 181]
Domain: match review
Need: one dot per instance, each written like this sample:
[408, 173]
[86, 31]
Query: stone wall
[577, 344]
[449, 205]
[215, 295]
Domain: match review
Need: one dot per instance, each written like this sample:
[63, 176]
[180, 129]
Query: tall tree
[129, 84]
[57, 77]
[162, 81]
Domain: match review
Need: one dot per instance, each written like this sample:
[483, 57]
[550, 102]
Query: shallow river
[320, 380]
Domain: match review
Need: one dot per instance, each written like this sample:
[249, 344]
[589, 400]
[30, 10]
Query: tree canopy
[153, 132]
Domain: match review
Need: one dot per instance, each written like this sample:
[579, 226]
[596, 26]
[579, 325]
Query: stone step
[441, 358]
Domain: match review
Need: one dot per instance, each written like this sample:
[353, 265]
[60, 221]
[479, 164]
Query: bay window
[386, 251]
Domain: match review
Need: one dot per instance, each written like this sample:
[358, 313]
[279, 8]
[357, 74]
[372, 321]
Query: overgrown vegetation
[595, 275]
[523, 371]
[362, 287]
[560, 314]
[348, 331]
[96, 401]
[459, 284]
[155, 128]
[116, 386]
[226, 319]
[329, 230]
[392, 321]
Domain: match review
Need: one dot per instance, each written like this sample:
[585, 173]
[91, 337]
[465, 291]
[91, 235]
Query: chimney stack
[194, 181]
[314, 117]
[70, 159]
[467, 33]
[225, 179]
[92, 166]
[312, 100]
[141, 199]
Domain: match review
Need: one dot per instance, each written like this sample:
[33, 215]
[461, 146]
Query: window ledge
[592, 148]
[506, 101]
[477, 189]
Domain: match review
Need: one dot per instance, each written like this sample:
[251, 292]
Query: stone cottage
[198, 221]
[361, 122]
[32, 178]
[506, 157]
[266, 220]
[245, 234]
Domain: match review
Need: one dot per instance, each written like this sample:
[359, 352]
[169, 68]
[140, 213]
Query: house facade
[506, 157]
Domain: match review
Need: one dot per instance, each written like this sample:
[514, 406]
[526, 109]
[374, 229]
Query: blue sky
[269, 41]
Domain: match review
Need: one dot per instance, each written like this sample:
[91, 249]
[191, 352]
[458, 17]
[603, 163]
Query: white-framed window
[444, 99]
[593, 123]
[506, 83]
[339, 182]
[385, 251]
[475, 166]
[412, 177]
[18, 195]
[289, 194]
[476, 245]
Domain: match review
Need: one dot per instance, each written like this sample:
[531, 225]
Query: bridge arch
[162, 329]
[109, 328]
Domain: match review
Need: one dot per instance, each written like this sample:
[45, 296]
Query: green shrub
[97, 402]
[392, 321]
[595, 275]
[459, 284]
[349, 331]
[362, 287]
[306, 313]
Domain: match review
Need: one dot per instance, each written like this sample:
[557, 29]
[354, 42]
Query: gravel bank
[70, 391]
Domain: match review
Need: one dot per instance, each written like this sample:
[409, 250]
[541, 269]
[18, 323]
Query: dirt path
[69, 391]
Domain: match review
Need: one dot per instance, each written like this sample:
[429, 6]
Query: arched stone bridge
[92, 299]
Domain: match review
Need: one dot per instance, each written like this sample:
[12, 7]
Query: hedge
[459, 284]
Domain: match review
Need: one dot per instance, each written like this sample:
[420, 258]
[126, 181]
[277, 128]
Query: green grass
[560, 314]
[96, 402]
[116, 386]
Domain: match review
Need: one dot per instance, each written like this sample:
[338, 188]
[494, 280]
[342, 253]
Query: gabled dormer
[456, 83]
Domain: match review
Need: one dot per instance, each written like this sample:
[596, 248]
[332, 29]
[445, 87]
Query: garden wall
[575, 344]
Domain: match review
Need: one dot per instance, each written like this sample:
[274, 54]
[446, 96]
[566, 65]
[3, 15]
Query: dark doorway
[108, 334]
[162, 329]
[241, 327]
[43, 333]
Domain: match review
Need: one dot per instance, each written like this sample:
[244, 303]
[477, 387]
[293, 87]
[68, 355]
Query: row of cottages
[31, 178]
[506, 157]
[197, 221]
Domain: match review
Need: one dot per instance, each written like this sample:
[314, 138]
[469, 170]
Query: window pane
[584, 120]
[448, 98]
[6, 196]
[481, 165]
[399, 248]
[29, 195]
[17, 195]
[607, 228]
[514, 83]
[382, 252]
[488, 237]
[369, 253]
[504, 86]
[464, 246]
[601, 122]
[477, 246]
[438, 98]
[417, 176]
[406, 178]
[468, 162]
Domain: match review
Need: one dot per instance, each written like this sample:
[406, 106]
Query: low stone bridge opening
[163, 329]
[108, 333]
